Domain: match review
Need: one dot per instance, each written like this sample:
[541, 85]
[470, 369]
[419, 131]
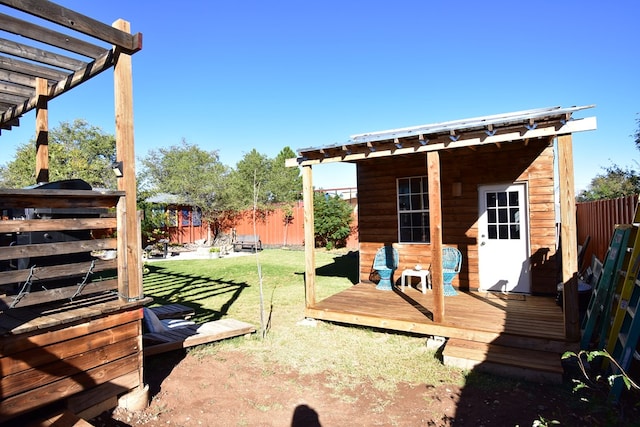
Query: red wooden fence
[598, 219]
[273, 232]
[270, 227]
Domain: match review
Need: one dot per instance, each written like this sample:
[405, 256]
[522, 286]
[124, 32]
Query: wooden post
[121, 221]
[568, 238]
[435, 227]
[309, 237]
[42, 130]
[123, 99]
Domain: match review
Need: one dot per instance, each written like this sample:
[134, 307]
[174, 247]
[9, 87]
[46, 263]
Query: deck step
[532, 365]
[534, 343]
[61, 419]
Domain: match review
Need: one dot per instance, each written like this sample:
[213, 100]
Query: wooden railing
[597, 220]
[50, 258]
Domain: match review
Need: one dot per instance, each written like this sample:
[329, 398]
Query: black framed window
[413, 210]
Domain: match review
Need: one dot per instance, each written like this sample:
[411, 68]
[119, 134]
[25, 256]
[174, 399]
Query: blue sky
[236, 75]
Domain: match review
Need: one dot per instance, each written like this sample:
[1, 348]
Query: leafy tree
[332, 220]
[274, 183]
[285, 184]
[194, 176]
[76, 150]
[262, 184]
[615, 182]
[249, 182]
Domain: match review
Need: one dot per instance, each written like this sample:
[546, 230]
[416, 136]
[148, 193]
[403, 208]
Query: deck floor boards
[476, 313]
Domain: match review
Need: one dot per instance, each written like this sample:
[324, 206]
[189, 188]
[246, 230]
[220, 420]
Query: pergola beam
[96, 67]
[78, 22]
[42, 56]
[42, 131]
[49, 37]
[129, 266]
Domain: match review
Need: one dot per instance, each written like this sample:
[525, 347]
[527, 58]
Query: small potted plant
[214, 252]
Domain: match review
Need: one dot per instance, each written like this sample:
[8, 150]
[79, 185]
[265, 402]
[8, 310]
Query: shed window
[172, 218]
[413, 210]
[197, 217]
[186, 218]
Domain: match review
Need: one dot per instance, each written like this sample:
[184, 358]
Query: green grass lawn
[230, 287]
[348, 356]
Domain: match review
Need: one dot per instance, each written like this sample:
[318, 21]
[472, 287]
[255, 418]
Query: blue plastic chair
[385, 263]
[451, 264]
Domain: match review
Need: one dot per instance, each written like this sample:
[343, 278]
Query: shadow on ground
[343, 266]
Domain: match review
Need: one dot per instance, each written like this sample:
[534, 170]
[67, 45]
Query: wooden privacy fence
[597, 219]
[273, 232]
[270, 226]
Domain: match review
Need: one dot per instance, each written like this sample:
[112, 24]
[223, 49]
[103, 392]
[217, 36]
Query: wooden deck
[514, 335]
[479, 316]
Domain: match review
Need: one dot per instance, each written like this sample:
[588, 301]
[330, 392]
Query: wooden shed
[485, 186]
[70, 293]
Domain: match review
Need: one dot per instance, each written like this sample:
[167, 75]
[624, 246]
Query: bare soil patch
[229, 388]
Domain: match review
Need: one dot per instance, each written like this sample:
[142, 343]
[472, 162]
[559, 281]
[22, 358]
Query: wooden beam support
[78, 22]
[20, 50]
[42, 131]
[435, 228]
[568, 237]
[93, 69]
[41, 34]
[309, 237]
[123, 100]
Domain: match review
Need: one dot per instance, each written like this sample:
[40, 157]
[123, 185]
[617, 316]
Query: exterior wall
[183, 230]
[93, 360]
[532, 163]
[61, 340]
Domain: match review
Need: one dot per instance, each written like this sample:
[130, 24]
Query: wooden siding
[70, 322]
[515, 162]
[36, 251]
[52, 352]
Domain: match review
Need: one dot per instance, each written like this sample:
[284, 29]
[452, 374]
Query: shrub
[332, 220]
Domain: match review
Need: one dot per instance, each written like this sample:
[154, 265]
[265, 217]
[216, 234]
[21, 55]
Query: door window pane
[503, 215]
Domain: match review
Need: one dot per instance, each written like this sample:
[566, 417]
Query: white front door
[503, 239]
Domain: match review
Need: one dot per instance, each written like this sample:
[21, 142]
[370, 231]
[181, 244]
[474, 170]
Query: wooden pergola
[42, 63]
[89, 331]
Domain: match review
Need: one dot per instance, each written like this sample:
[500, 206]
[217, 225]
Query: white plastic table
[422, 274]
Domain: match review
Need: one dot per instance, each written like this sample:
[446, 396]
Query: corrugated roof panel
[496, 120]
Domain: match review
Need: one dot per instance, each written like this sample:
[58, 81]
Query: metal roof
[520, 125]
[505, 119]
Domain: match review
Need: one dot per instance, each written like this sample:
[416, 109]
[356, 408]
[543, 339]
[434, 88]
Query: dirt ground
[231, 389]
